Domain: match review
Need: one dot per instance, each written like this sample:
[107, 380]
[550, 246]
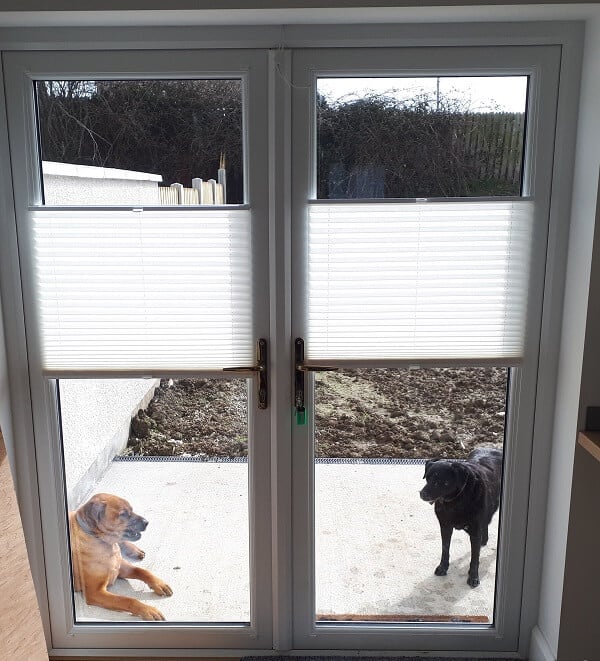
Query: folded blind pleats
[143, 290]
[422, 281]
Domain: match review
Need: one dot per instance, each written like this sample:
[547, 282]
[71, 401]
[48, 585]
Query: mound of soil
[368, 413]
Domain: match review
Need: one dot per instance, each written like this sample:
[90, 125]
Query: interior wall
[572, 393]
[579, 638]
[587, 193]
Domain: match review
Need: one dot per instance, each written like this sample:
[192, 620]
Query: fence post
[179, 189]
[222, 179]
[197, 184]
[213, 185]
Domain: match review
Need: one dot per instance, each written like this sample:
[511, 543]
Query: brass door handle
[244, 370]
[260, 369]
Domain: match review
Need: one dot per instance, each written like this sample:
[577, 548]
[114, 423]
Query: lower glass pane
[378, 536]
[169, 456]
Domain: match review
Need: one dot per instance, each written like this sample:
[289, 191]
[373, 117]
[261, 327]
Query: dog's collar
[85, 527]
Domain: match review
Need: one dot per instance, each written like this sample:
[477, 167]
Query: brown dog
[100, 530]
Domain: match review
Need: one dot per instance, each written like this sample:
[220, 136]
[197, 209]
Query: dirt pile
[396, 413]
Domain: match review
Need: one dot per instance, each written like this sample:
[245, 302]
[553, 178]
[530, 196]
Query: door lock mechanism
[299, 380]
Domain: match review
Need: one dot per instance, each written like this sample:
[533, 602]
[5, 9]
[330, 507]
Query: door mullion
[280, 243]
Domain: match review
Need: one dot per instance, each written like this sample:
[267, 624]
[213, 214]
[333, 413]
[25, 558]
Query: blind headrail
[418, 200]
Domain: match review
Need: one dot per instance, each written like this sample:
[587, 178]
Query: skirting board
[539, 650]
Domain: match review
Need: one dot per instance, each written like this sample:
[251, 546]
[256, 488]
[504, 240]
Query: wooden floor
[21, 633]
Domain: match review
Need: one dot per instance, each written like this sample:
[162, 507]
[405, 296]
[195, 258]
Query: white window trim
[569, 35]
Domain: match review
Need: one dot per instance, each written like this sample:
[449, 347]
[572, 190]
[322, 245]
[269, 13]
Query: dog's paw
[162, 589]
[132, 551]
[440, 570]
[473, 581]
[150, 614]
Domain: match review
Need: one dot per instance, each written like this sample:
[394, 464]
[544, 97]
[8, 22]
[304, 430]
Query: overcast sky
[492, 93]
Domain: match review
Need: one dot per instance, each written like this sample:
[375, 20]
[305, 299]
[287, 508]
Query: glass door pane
[165, 460]
[451, 136]
[170, 451]
[379, 433]
[141, 142]
[377, 537]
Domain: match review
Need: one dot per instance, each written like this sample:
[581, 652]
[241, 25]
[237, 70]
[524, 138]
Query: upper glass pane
[428, 137]
[141, 142]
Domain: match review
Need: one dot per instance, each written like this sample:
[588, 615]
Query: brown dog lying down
[100, 530]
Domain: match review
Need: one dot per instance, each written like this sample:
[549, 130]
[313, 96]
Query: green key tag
[301, 416]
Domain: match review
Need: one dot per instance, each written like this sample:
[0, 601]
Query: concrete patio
[377, 543]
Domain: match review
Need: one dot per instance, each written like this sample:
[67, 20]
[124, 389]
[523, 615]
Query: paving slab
[377, 544]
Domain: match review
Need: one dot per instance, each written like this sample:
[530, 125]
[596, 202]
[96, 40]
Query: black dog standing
[466, 495]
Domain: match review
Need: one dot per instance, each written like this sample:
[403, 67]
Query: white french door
[391, 275]
[127, 292]
[412, 287]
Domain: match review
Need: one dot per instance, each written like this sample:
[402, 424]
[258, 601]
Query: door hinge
[260, 370]
[300, 369]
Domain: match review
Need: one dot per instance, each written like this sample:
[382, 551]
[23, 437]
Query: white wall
[59, 190]
[579, 637]
[571, 359]
[67, 184]
[95, 416]
[189, 13]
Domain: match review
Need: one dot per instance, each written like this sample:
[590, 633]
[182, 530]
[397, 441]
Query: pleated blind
[143, 290]
[418, 281]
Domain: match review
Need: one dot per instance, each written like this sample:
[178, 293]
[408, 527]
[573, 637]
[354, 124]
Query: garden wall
[68, 184]
[95, 422]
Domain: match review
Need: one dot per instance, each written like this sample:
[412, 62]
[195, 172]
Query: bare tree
[427, 146]
[175, 128]
[373, 146]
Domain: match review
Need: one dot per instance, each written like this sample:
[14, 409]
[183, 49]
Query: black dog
[466, 496]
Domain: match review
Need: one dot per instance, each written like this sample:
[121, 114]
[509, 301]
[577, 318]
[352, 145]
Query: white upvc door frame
[251, 67]
[30, 455]
[542, 65]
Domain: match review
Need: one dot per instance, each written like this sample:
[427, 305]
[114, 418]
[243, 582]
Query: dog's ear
[93, 511]
[428, 464]
[461, 471]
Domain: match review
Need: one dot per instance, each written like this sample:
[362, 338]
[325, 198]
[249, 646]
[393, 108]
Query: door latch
[259, 370]
[299, 378]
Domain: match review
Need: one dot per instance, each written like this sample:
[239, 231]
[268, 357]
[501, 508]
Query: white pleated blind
[146, 290]
[422, 281]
